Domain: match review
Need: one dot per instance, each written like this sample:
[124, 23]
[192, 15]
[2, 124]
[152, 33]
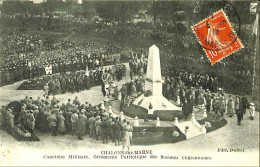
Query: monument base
[155, 103]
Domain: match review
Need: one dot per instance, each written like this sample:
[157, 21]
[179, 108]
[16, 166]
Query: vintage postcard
[129, 83]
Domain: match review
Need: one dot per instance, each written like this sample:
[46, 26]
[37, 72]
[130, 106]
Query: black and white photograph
[129, 83]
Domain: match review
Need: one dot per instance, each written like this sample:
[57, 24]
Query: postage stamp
[217, 36]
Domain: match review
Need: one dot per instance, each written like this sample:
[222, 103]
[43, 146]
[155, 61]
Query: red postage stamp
[217, 37]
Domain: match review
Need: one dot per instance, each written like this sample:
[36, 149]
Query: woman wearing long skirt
[126, 139]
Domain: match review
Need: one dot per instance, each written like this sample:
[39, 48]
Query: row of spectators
[73, 118]
[61, 83]
[78, 81]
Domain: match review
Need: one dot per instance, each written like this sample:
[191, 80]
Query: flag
[87, 71]
[50, 69]
[29, 63]
[46, 70]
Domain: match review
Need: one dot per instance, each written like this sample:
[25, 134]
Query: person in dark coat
[63, 84]
[92, 121]
[67, 115]
[98, 123]
[244, 104]
[129, 88]
[185, 109]
[222, 106]
[215, 104]
[104, 130]
[81, 126]
[189, 105]
[76, 101]
[239, 115]
[116, 92]
[74, 120]
[208, 102]
[196, 97]
[123, 92]
[103, 90]
[88, 85]
[54, 101]
[116, 131]
[53, 123]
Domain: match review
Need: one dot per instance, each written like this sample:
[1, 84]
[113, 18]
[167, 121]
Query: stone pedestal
[178, 100]
[193, 117]
[150, 111]
[158, 123]
[136, 122]
[176, 121]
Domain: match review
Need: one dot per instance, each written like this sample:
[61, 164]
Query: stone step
[194, 129]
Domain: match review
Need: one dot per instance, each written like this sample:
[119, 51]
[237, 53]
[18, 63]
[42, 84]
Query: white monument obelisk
[153, 82]
[153, 75]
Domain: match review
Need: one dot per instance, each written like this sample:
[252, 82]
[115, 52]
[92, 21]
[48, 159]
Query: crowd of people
[203, 91]
[188, 90]
[29, 56]
[75, 118]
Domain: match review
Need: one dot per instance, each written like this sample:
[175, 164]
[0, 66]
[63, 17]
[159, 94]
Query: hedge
[156, 135]
[214, 124]
[165, 115]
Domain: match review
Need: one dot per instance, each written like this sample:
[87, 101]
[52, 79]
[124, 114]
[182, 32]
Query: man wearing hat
[76, 101]
[98, 127]
[222, 106]
[104, 130]
[85, 120]
[81, 126]
[69, 106]
[208, 101]
[54, 101]
[74, 118]
[116, 131]
[215, 103]
[92, 121]
[53, 123]
[239, 113]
